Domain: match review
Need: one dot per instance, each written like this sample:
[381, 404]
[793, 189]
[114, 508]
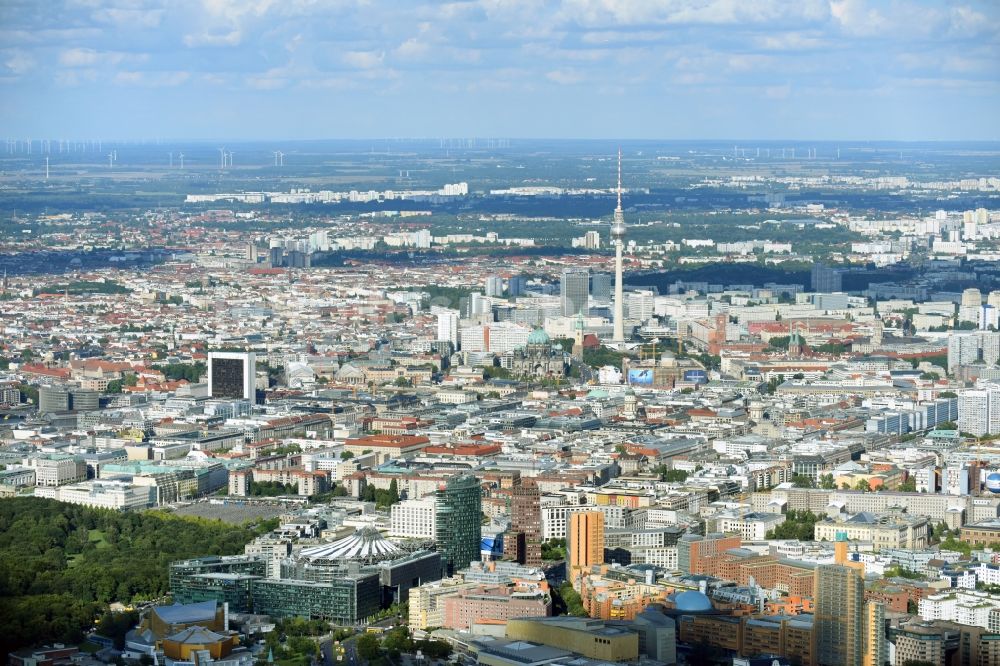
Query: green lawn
[96, 537]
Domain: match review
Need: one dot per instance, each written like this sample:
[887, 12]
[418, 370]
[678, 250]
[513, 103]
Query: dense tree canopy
[798, 525]
[177, 371]
[61, 564]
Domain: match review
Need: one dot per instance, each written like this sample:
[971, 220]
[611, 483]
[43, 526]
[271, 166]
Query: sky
[647, 69]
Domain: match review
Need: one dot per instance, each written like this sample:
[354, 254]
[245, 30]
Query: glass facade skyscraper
[575, 291]
[458, 508]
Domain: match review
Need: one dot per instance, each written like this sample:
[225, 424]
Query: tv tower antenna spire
[619, 178]
[618, 238]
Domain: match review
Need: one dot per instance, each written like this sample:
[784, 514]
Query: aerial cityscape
[397, 333]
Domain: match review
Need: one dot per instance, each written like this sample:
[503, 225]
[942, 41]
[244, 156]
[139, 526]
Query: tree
[802, 481]
[114, 386]
[368, 647]
[798, 525]
[29, 394]
[568, 599]
[779, 342]
[862, 485]
[61, 564]
[554, 549]
[346, 455]
[826, 482]
[954, 545]
[675, 475]
[909, 485]
[115, 625]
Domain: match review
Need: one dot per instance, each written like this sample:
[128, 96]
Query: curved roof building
[691, 602]
[366, 546]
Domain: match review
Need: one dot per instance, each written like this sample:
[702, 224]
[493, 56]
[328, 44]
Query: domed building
[539, 358]
[691, 601]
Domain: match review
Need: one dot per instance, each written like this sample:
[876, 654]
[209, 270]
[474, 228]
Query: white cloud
[86, 57]
[564, 76]
[152, 79]
[363, 59]
[234, 10]
[413, 48]
[710, 12]
[130, 19]
[856, 18]
[791, 41]
[231, 38]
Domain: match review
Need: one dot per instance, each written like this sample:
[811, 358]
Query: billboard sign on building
[643, 376]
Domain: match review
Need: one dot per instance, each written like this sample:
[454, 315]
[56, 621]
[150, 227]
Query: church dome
[539, 337]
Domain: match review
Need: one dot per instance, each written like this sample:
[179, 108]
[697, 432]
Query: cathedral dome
[539, 337]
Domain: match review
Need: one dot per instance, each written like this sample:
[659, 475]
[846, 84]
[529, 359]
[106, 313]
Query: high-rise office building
[575, 291]
[972, 298]
[825, 279]
[232, 375]
[970, 348]
[447, 325]
[585, 542]
[494, 286]
[972, 301]
[876, 649]
[517, 285]
[524, 543]
[592, 240]
[600, 287]
[989, 318]
[459, 510]
[838, 617]
[979, 409]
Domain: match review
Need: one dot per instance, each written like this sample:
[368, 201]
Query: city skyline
[838, 70]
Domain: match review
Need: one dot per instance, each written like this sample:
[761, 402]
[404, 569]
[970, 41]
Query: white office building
[979, 409]
[105, 494]
[977, 609]
[413, 519]
[447, 323]
[499, 337]
[969, 348]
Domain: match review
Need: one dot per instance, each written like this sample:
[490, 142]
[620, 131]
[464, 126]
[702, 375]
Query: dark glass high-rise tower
[524, 543]
[458, 508]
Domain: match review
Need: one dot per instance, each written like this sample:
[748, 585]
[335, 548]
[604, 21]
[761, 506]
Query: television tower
[618, 238]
